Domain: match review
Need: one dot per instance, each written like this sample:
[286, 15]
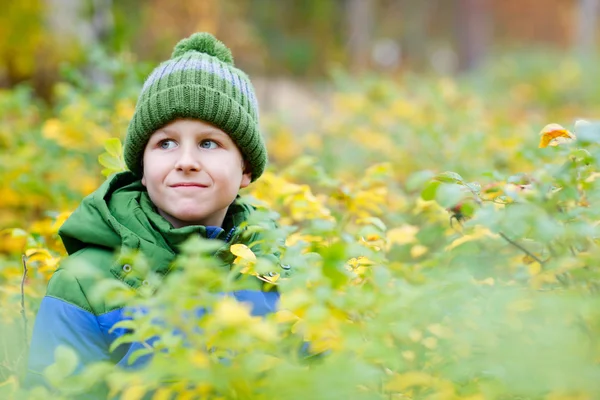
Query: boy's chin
[197, 219]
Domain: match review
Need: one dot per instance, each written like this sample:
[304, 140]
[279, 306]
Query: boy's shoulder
[74, 281]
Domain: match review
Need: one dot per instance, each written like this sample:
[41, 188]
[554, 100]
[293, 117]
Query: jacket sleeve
[64, 319]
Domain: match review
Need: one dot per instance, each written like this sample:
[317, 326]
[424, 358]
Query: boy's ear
[143, 176]
[247, 175]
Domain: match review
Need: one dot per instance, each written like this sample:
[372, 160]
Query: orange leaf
[554, 135]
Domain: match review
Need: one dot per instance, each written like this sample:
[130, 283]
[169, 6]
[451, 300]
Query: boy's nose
[187, 162]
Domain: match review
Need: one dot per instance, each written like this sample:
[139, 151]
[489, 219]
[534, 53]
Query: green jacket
[111, 222]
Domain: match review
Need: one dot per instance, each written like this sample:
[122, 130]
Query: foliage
[439, 249]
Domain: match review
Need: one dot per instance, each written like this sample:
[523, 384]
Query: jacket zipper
[229, 235]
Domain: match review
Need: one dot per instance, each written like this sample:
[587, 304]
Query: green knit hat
[200, 82]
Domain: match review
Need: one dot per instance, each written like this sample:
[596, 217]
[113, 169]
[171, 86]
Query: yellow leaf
[430, 343]
[593, 176]
[11, 381]
[402, 382]
[52, 129]
[113, 147]
[230, 312]
[264, 331]
[402, 235]
[418, 250]
[473, 397]
[534, 268]
[61, 218]
[199, 359]
[439, 330]
[554, 135]
[269, 278]
[486, 281]
[38, 255]
[135, 392]
[415, 335]
[12, 240]
[283, 316]
[478, 233]
[162, 393]
[522, 305]
[243, 251]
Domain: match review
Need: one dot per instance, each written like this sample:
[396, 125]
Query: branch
[23, 314]
[523, 249]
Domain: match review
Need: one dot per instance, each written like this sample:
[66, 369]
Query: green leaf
[467, 209]
[588, 132]
[418, 179]
[449, 177]
[124, 324]
[582, 154]
[139, 353]
[114, 147]
[429, 192]
[376, 222]
[449, 195]
[17, 232]
[196, 245]
[125, 339]
[333, 264]
[110, 162]
[475, 187]
[66, 361]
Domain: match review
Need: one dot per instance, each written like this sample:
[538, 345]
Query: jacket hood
[119, 214]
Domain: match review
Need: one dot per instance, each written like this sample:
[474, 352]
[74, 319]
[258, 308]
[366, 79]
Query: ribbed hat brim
[198, 102]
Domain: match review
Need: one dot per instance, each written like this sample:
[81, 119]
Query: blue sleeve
[262, 303]
[61, 323]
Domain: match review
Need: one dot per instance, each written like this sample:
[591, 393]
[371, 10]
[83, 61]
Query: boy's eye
[208, 144]
[166, 144]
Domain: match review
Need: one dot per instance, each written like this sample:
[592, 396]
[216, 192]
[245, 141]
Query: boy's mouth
[189, 184]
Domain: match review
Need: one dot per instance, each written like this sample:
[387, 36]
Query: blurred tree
[102, 19]
[21, 34]
[414, 19]
[360, 21]
[303, 38]
[587, 27]
[526, 23]
[102, 26]
[473, 30]
[208, 13]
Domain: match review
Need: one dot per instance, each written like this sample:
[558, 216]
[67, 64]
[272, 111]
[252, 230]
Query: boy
[192, 143]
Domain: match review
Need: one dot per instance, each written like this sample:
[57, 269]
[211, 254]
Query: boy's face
[193, 172]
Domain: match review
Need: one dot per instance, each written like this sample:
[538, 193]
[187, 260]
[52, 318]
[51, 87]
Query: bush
[436, 252]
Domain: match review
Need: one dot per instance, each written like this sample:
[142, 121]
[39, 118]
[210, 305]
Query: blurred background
[362, 80]
[362, 102]
[291, 42]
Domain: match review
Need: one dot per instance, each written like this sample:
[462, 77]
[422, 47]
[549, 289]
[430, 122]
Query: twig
[573, 252]
[23, 314]
[454, 217]
[523, 249]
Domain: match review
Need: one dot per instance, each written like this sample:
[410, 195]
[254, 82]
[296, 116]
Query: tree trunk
[473, 31]
[586, 23]
[359, 17]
